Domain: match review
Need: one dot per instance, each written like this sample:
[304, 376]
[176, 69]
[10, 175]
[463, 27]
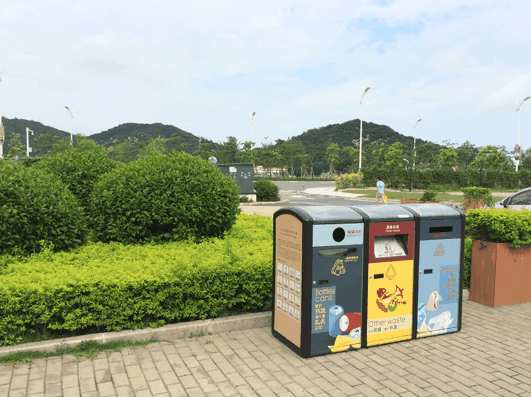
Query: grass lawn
[413, 195]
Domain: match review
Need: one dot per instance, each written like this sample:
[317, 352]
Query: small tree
[248, 153]
[17, 148]
[332, 156]
[447, 157]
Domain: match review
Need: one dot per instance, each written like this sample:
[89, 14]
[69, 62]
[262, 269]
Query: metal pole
[410, 178]
[2, 136]
[27, 142]
[361, 122]
[415, 143]
[361, 131]
[518, 138]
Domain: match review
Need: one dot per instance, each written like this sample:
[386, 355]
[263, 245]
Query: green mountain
[18, 126]
[144, 132]
[137, 133]
[343, 134]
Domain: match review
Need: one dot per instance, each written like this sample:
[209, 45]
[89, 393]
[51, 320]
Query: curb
[281, 202]
[167, 332]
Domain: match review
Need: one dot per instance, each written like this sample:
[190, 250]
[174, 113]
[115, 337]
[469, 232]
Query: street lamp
[410, 179]
[415, 142]
[28, 149]
[361, 120]
[71, 123]
[1, 130]
[252, 132]
[518, 108]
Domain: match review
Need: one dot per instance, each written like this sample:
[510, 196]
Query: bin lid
[387, 212]
[434, 210]
[324, 213]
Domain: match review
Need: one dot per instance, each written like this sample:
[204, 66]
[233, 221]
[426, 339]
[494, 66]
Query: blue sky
[205, 66]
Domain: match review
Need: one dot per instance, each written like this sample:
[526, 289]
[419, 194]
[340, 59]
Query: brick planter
[472, 204]
[500, 275]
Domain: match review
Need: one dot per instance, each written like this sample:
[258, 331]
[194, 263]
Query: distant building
[275, 171]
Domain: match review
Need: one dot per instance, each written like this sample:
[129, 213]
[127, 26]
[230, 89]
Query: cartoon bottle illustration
[334, 313]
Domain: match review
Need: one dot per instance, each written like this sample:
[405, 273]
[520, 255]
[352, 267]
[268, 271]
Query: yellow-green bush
[110, 287]
[347, 180]
[500, 226]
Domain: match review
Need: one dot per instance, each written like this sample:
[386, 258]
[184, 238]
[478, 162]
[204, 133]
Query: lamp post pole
[410, 176]
[415, 143]
[71, 111]
[361, 122]
[28, 149]
[2, 133]
[252, 129]
[518, 109]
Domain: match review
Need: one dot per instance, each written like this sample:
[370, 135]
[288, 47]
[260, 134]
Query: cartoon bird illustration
[388, 302]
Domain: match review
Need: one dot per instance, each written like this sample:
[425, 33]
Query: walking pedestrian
[380, 190]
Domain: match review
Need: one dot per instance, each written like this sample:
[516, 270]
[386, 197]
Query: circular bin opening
[338, 235]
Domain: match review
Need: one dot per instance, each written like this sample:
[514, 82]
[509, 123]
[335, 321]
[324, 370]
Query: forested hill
[343, 134]
[144, 132]
[18, 126]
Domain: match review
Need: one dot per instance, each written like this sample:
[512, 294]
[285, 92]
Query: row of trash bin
[348, 277]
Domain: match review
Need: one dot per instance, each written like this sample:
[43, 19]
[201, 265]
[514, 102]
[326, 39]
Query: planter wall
[500, 275]
[472, 204]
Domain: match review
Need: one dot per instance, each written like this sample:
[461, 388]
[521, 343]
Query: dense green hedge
[163, 198]
[110, 287]
[423, 179]
[80, 168]
[500, 226]
[36, 206]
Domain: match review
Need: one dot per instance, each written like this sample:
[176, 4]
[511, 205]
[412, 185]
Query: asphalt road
[292, 192]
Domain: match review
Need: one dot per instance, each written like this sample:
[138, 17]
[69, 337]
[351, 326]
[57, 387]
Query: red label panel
[391, 229]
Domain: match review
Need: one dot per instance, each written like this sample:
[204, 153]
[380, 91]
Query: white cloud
[205, 65]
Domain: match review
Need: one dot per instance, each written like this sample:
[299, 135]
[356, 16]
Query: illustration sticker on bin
[348, 277]
[390, 256]
[323, 246]
[439, 242]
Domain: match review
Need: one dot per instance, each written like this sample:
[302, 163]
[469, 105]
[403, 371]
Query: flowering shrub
[348, 180]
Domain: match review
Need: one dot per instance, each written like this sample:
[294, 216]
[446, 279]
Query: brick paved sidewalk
[491, 356]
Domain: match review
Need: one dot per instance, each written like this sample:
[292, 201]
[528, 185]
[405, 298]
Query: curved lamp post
[71, 111]
[1, 129]
[415, 143]
[518, 108]
[361, 120]
[252, 132]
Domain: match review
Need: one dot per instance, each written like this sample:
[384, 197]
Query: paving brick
[157, 387]
[70, 381]
[72, 392]
[53, 390]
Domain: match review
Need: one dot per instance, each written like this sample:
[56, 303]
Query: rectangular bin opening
[441, 229]
[390, 246]
[338, 252]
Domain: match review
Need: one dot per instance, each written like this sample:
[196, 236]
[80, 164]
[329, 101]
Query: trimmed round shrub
[266, 190]
[163, 198]
[80, 168]
[35, 206]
